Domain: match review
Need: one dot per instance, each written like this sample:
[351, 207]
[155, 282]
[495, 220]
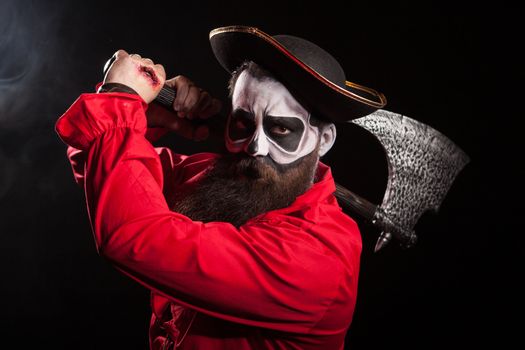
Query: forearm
[123, 182]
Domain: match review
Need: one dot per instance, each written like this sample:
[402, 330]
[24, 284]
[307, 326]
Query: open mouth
[150, 74]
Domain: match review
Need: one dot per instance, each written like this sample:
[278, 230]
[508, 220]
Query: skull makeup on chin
[266, 120]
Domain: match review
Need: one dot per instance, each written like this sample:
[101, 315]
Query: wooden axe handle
[366, 210]
[355, 202]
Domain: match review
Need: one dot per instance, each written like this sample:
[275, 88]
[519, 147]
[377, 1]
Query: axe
[422, 165]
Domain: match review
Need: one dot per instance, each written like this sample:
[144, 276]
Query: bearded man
[245, 250]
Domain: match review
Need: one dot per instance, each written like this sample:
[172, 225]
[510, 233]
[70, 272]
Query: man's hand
[138, 73]
[191, 102]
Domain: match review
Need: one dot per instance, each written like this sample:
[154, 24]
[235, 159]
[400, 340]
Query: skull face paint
[266, 120]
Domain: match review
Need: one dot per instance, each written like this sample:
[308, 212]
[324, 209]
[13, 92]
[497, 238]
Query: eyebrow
[289, 122]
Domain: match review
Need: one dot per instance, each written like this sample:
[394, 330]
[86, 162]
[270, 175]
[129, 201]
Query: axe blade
[422, 165]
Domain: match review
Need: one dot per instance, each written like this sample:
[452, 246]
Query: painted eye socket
[241, 124]
[280, 130]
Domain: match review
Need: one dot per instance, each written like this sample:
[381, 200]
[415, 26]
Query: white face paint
[267, 120]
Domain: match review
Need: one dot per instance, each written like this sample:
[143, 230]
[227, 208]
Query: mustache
[262, 167]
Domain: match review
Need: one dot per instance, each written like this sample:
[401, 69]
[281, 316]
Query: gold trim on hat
[257, 32]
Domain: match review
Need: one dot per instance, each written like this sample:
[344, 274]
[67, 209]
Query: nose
[257, 146]
[252, 147]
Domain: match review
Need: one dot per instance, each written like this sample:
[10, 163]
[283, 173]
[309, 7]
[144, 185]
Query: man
[248, 250]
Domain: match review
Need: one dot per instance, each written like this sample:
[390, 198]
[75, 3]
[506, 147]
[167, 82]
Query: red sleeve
[78, 157]
[266, 274]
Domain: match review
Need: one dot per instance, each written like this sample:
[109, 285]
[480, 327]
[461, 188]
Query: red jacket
[287, 279]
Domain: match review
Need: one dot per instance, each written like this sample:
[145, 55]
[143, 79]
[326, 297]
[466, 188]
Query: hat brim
[234, 45]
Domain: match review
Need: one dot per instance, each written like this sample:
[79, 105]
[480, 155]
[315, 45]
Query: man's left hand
[191, 102]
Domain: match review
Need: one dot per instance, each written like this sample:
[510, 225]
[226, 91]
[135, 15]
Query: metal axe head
[422, 165]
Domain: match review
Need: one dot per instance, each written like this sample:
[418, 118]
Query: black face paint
[285, 131]
[267, 116]
[241, 125]
[253, 147]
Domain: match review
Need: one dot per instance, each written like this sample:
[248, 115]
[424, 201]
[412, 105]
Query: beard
[239, 187]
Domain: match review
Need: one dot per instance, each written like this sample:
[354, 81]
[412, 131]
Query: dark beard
[240, 187]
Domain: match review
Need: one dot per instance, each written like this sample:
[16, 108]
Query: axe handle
[355, 203]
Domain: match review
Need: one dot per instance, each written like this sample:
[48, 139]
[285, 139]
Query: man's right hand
[138, 73]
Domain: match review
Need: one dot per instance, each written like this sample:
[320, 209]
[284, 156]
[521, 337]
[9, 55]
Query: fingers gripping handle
[166, 95]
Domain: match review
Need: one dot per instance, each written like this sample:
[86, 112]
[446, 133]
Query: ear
[327, 139]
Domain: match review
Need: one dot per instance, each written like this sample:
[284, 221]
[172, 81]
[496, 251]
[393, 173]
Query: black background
[426, 58]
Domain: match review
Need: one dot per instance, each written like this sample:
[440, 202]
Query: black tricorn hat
[311, 74]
